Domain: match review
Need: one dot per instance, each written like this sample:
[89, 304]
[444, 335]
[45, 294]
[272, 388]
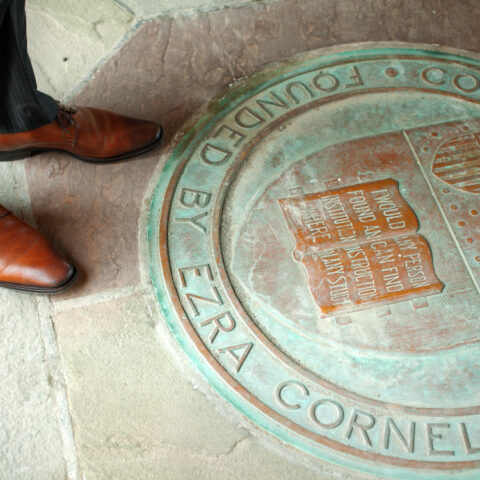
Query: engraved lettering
[389, 209]
[372, 231]
[386, 256]
[360, 422]
[188, 275]
[406, 441]
[416, 275]
[331, 415]
[215, 155]
[406, 243]
[341, 221]
[239, 360]
[276, 101]
[194, 198]
[377, 245]
[361, 207]
[391, 279]
[191, 297]
[467, 445]
[298, 86]
[332, 263]
[247, 118]
[314, 222]
[338, 291]
[297, 386]
[356, 77]
[197, 272]
[326, 82]
[232, 134]
[435, 435]
[362, 272]
[218, 326]
[194, 221]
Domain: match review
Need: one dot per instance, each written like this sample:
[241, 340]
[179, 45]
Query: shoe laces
[65, 118]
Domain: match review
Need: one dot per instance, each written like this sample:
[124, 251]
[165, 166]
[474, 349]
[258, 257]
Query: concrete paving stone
[30, 442]
[135, 413]
[14, 194]
[249, 459]
[90, 214]
[67, 38]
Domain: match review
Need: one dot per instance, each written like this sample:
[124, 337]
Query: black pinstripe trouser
[22, 106]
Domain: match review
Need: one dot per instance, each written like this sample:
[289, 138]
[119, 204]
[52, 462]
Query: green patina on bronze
[314, 245]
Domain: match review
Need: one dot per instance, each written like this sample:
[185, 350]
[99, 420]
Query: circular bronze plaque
[315, 247]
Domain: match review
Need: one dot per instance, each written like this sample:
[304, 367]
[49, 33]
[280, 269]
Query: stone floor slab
[30, 441]
[67, 38]
[90, 214]
[14, 194]
[135, 412]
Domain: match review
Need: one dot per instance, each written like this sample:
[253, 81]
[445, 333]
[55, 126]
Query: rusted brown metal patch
[360, 247]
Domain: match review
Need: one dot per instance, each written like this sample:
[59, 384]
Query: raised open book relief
[360, 247]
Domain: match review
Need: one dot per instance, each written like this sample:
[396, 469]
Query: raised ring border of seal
[222, 377]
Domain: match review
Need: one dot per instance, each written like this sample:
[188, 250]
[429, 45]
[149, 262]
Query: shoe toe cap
[37, 274]
[28, 262]
[140, 134]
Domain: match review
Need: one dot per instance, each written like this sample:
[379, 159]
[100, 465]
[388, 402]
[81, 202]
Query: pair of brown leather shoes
[27, 262]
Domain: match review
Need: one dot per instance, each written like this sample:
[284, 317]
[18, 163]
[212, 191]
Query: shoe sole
[37, 289]
[20, 154]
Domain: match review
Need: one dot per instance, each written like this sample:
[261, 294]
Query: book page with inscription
[359, 246]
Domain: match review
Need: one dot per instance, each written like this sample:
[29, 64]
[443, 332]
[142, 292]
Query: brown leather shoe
[27, 262]
[89, 134]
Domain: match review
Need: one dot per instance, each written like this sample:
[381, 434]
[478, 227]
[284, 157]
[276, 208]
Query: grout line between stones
[21, 190]
[126, 7]
[98, 298]
[188, 11]
[137, 23]
[58, 386]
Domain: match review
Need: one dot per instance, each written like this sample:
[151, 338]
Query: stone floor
[93, 385]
